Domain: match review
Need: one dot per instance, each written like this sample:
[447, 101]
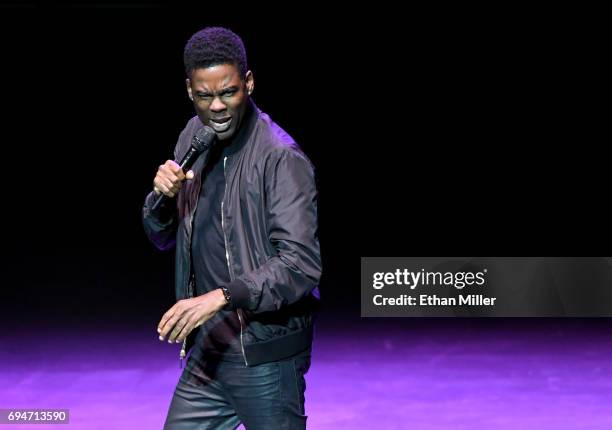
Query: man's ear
[188, 83]
[250, 82]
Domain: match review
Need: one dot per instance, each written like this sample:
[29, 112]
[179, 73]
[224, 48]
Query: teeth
[220, 127]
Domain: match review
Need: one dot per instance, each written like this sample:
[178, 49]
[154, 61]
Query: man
[244, 222]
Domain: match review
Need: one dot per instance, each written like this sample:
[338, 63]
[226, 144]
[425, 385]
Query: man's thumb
[189, 174]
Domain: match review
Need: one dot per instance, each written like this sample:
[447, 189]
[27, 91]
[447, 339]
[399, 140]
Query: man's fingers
[185, 332]
[172, 164]
[165, 317]
[178, 328]
[170, 180]
[169, 326]
[164, 190]
[174, 167]
[168, 188]
[184, 327]
[189, 174]
[168, 183]
[176, 324]
[164, 320]
[192, 323]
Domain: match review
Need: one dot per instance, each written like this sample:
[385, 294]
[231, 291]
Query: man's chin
[225, 135]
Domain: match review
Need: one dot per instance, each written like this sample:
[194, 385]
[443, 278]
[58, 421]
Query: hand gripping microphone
[202, 141]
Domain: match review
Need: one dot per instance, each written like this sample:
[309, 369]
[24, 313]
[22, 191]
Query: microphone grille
[203, 138]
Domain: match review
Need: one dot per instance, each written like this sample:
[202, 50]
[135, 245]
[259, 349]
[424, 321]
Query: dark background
[435, 132]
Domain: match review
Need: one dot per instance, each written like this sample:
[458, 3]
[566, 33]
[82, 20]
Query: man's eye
[229, 93]
[204, 96]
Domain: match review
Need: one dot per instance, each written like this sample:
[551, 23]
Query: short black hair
[213, 46]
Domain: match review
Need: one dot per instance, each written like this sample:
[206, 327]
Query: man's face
[220, 97]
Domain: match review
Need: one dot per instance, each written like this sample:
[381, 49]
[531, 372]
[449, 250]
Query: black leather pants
[214, 394]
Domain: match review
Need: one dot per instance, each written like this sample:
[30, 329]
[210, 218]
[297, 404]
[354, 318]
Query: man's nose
[217, 105]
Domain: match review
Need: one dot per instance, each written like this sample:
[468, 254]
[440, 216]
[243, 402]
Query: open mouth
[221, 125]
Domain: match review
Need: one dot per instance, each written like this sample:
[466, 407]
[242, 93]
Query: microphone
[202, 141]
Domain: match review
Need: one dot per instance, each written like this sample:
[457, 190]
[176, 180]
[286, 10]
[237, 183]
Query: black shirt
[208, 242]
[208, 254]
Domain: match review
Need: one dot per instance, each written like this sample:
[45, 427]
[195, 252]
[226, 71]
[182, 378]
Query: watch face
[226, 293]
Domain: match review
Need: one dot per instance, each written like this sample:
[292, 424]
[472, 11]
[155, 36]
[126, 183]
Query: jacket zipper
[191, 281]
[184, 345]
[227, 258]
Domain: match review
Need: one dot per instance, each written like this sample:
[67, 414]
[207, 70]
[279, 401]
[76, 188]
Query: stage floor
[365, 374]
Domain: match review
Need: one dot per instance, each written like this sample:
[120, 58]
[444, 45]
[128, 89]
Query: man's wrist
[227, 297]
[224, 297]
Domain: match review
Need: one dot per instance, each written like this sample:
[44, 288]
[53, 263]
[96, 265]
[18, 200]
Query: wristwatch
[227, 295]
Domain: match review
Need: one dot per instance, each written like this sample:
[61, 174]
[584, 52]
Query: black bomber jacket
[269, 221]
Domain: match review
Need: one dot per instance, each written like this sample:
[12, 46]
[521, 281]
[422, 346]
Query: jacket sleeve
[291, 212]
[160, 225]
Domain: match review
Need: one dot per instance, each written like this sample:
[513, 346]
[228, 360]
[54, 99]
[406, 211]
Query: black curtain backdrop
[431, 133]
